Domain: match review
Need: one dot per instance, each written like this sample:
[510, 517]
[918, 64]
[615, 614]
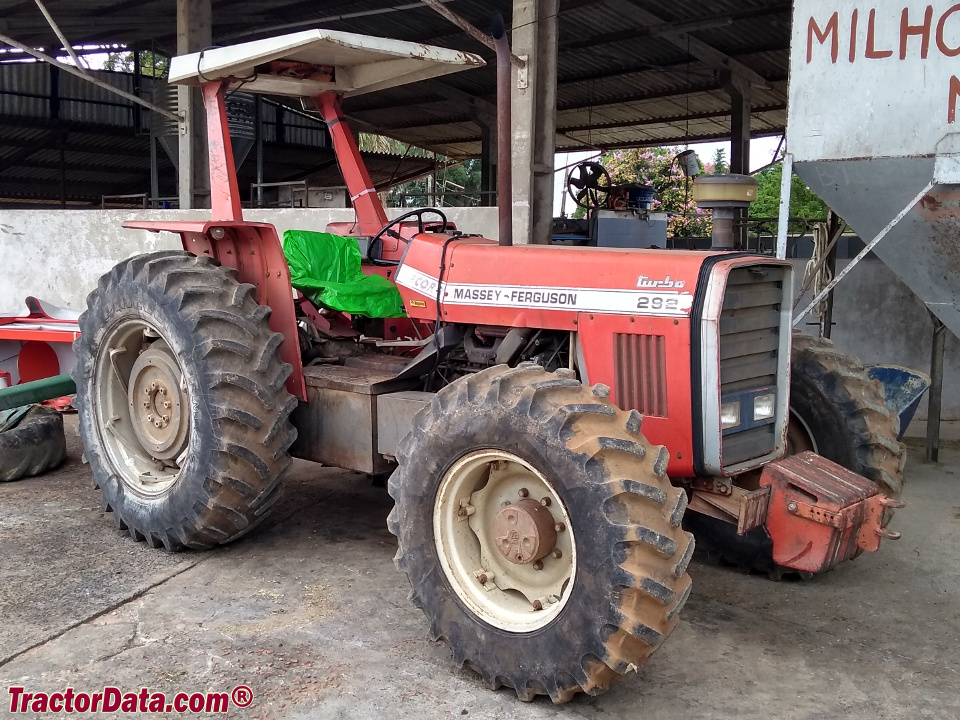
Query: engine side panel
[543, 286]
[630, 308]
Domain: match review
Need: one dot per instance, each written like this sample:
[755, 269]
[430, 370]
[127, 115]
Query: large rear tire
[34, 446]
[183, 408]
[612, 579]
[838, 411]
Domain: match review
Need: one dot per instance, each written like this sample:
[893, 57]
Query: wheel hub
[157, 403]
[504, 540]
[524, 532]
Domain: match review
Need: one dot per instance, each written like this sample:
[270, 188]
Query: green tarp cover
[326, 268]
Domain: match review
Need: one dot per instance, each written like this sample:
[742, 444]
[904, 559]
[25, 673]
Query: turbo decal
[663, 303]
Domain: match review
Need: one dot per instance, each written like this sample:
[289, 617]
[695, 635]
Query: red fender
[254, 251]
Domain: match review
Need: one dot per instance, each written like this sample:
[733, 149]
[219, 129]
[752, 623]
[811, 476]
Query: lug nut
[167, 404]
[523, 492]
[538, 565]
[537, 605]
[150, 417]
[556, 554]
[483, 579]
[559, 527]
[545, 502]
[163, 390]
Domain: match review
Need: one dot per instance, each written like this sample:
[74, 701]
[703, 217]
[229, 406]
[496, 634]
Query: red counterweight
[821, 514]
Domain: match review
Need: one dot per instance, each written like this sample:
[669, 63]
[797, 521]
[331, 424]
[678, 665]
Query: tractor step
[337, 426]
[821, 514]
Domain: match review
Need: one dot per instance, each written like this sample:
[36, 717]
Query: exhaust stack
[504, 131]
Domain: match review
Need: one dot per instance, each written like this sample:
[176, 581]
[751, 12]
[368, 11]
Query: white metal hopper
[873, 131]
[356, 64]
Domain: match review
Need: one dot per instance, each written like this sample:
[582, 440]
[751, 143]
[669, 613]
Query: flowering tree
[673, 192]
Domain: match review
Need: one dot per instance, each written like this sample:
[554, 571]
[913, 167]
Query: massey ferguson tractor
[547, 415]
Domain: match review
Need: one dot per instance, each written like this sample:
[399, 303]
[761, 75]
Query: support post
[224, 190]
[487, 185]
[740, 107]
[833, 230]
[63, 171]
[524, 110]
[154, 172]
[371, 217]
[258, 135]
[194, 33]
[935, 395]
[545, 127]
[786, 190]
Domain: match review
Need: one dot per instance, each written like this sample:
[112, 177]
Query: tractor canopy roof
[307, 63]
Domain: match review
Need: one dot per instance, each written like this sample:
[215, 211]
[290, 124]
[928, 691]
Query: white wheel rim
[147, 470]
[471, 494]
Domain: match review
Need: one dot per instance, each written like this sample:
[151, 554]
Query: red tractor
[554, 415]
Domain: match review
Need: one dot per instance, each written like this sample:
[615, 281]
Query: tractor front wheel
[183, 408]
[539, 531]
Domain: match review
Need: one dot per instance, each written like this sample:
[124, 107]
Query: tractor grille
[641, 369]
[749, 353]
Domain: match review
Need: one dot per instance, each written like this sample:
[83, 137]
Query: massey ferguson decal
[665, 303]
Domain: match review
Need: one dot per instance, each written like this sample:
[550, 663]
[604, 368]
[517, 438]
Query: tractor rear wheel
[539, 531]
[183, 408]
[837, 411]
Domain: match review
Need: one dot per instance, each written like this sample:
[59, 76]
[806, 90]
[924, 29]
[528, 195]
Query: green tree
[720, 165]
[803, 202]
[151, 64]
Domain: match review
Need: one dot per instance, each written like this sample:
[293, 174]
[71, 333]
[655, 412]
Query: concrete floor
[310, 613]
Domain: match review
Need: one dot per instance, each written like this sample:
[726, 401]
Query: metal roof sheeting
[621, 81]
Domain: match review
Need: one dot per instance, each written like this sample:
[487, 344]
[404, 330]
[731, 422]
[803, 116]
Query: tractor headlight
[764, 407]
[729, 415]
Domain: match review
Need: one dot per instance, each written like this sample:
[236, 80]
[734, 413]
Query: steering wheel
[388, 230]
[588, 183]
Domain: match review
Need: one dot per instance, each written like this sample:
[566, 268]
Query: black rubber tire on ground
[35, 445]
[842, 410]
[632, 555]
[239, 415]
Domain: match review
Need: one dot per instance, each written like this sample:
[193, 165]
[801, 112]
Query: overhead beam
[704, 52]
[481, 37]
[81, 73]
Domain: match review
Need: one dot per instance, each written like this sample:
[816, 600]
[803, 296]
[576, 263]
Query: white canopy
[361, 63]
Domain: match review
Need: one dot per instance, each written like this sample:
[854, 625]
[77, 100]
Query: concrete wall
[58, 256]
[877, 318]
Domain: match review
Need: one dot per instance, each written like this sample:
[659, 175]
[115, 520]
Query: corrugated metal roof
[621, 81]
[101, 160]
